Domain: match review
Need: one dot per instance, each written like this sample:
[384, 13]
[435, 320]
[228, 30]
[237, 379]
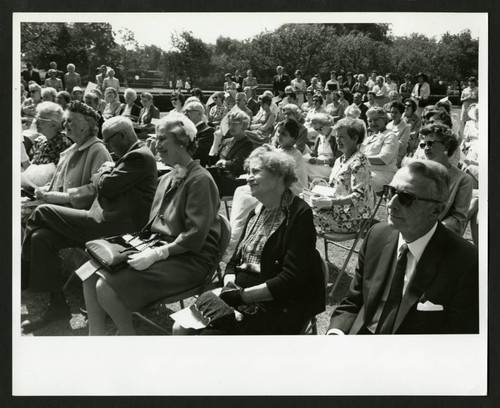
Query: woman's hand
[40, 193]
[148, 257]
[313, 160]
[321, 202]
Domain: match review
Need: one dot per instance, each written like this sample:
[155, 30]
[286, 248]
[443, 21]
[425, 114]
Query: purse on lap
[113, 252]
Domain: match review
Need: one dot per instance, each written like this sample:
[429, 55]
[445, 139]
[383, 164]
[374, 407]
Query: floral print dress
[350, 177]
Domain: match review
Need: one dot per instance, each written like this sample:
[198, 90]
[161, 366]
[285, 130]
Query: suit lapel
[382, 270]
[425, 271]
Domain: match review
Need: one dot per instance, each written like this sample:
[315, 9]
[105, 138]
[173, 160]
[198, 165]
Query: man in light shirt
[414, 276]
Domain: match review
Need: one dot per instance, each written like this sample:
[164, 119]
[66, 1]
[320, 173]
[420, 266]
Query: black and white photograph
[235, 203]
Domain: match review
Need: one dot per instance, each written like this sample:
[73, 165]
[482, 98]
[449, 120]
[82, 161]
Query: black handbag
[113, 252]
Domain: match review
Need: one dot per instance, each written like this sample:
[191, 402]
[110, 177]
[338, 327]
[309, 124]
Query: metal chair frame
[335, 239]
[216, 272]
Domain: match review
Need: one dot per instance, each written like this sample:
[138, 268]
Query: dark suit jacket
[235, 155]
[126, 193]
[280, 84]
[291, 268]
[446, 274]
[253, 105]
[34, 76]
[135, 112]
[205, 139]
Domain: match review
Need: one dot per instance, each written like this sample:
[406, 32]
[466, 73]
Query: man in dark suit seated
[252, 104]
[414, 276]
[204, 133]
[125, 192]
[280, 81]
[29, 74]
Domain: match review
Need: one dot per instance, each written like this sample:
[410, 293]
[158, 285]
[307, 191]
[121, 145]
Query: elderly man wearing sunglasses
[414, 276]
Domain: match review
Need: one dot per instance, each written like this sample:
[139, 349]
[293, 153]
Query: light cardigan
[454, 215]
[76, 167]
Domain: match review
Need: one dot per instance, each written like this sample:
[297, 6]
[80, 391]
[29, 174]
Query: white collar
[418, 246]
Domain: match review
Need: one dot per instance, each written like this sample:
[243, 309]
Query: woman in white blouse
[381, 148]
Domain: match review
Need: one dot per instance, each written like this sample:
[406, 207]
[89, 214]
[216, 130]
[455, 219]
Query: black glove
[231, 294]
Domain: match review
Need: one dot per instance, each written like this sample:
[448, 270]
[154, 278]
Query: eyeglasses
[405, 199]
[429, 143]
[38, 119]
[106, 140]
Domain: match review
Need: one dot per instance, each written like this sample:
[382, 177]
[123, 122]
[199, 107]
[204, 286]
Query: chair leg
[342, 270]
[314, 326]
[227, 209]
[70, 279]
[150, 322]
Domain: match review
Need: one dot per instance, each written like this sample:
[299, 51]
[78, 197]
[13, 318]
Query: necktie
[418, 89]
[393, 301]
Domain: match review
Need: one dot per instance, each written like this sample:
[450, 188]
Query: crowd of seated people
[359, 138]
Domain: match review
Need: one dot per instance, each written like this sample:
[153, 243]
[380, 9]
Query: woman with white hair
[49, 145]
[190, 231]
[71, 78]
[71, 184]
[112, 103]
[130, 109]
[110, 81]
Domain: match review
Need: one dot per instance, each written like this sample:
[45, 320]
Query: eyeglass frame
[401, 194]
[429, 143]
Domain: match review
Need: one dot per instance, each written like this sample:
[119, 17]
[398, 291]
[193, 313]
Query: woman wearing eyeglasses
[177, 100]
[218, 111]
[415, 123]
[439, 145]
[28, 107]
[381, 148]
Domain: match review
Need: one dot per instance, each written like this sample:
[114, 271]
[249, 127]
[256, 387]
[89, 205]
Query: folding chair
[311, 326]
[216, 272]
[335, 239]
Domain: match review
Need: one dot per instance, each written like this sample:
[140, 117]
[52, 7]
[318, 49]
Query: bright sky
[156, 28]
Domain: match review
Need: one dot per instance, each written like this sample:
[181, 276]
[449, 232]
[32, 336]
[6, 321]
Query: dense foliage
[313, 48]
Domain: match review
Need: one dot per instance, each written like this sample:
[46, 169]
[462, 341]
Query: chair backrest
[367, 222]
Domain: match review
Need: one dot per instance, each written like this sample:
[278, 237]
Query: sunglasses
[405, 199]
[429, 143]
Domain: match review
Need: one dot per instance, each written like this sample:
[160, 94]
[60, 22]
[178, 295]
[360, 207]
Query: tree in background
[86, 45]
[312, 48]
